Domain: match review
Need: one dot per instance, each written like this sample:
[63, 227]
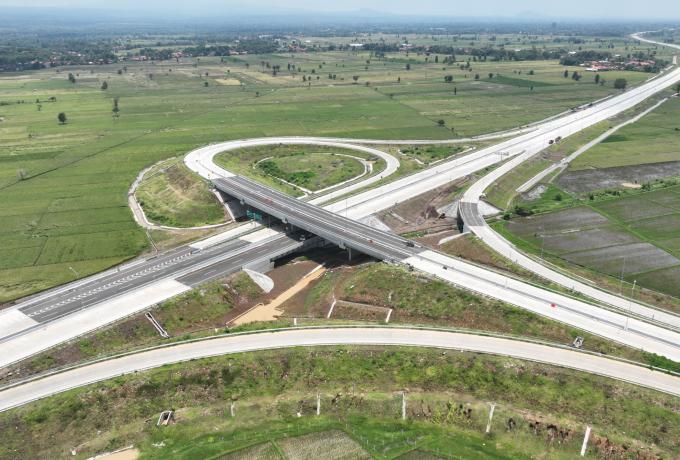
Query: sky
[516, 9]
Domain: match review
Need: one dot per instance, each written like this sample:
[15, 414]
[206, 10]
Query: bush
[522, 211]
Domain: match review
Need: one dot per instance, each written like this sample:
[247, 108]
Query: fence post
[231, 409]
[585, 442]
[488, 425]
[403, 405]
[318, 404]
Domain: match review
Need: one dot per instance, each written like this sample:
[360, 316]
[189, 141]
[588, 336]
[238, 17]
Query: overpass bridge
[332, 227]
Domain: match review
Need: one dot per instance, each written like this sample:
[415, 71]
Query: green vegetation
[312, 171]
[63, 185]
[416, 299]
[447, 406]
[549, 197]
[654, 138]
[431, 153]
[172, 195]
[196, 313]
[308, 166]
[502, 192]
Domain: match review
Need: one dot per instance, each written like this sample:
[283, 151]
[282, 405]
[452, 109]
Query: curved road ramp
[38, 388]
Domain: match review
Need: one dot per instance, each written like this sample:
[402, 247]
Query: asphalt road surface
[99, 371]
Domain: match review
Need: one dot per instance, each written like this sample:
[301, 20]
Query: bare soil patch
[420, 213]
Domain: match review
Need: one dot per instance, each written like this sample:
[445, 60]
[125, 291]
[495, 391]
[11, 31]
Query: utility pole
[623, 269]
[630, 304]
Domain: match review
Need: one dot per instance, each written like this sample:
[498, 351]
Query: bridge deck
[328, 225]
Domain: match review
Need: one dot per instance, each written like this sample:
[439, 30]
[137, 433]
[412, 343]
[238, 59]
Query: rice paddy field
[63, 185]
[634, 238]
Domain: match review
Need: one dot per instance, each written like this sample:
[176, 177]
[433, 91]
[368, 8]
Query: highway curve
[38, 388]
[650, 329]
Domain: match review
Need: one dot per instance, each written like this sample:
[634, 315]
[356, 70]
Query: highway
[392, 248]
[25, 330]
[65, 313]
[32, 390]
[475, 222]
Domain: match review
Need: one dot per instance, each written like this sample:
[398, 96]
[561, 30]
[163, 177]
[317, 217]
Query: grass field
[432, 153]
[654, 138]
[172, 195]
[311, 167]
[313, 171]
[447, 408]
[419, 300]
[63, 186]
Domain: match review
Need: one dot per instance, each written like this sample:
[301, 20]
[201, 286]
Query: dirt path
[271, 311]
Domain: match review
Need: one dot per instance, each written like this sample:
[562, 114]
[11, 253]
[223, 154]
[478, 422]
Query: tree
[677, 88]
[597, 78]
[566, 74]
[408, 66]
[531, 72]
[448, 78]
[205, 83]
[441, 122]
[71, 78]
[115, 109]
[490, 75]
[62, 118]
[455, 90]
[476, 76]
[620, 83]
[105, 86]
[355, 78]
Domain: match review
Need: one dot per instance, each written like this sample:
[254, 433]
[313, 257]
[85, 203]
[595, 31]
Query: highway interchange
[61, 314]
